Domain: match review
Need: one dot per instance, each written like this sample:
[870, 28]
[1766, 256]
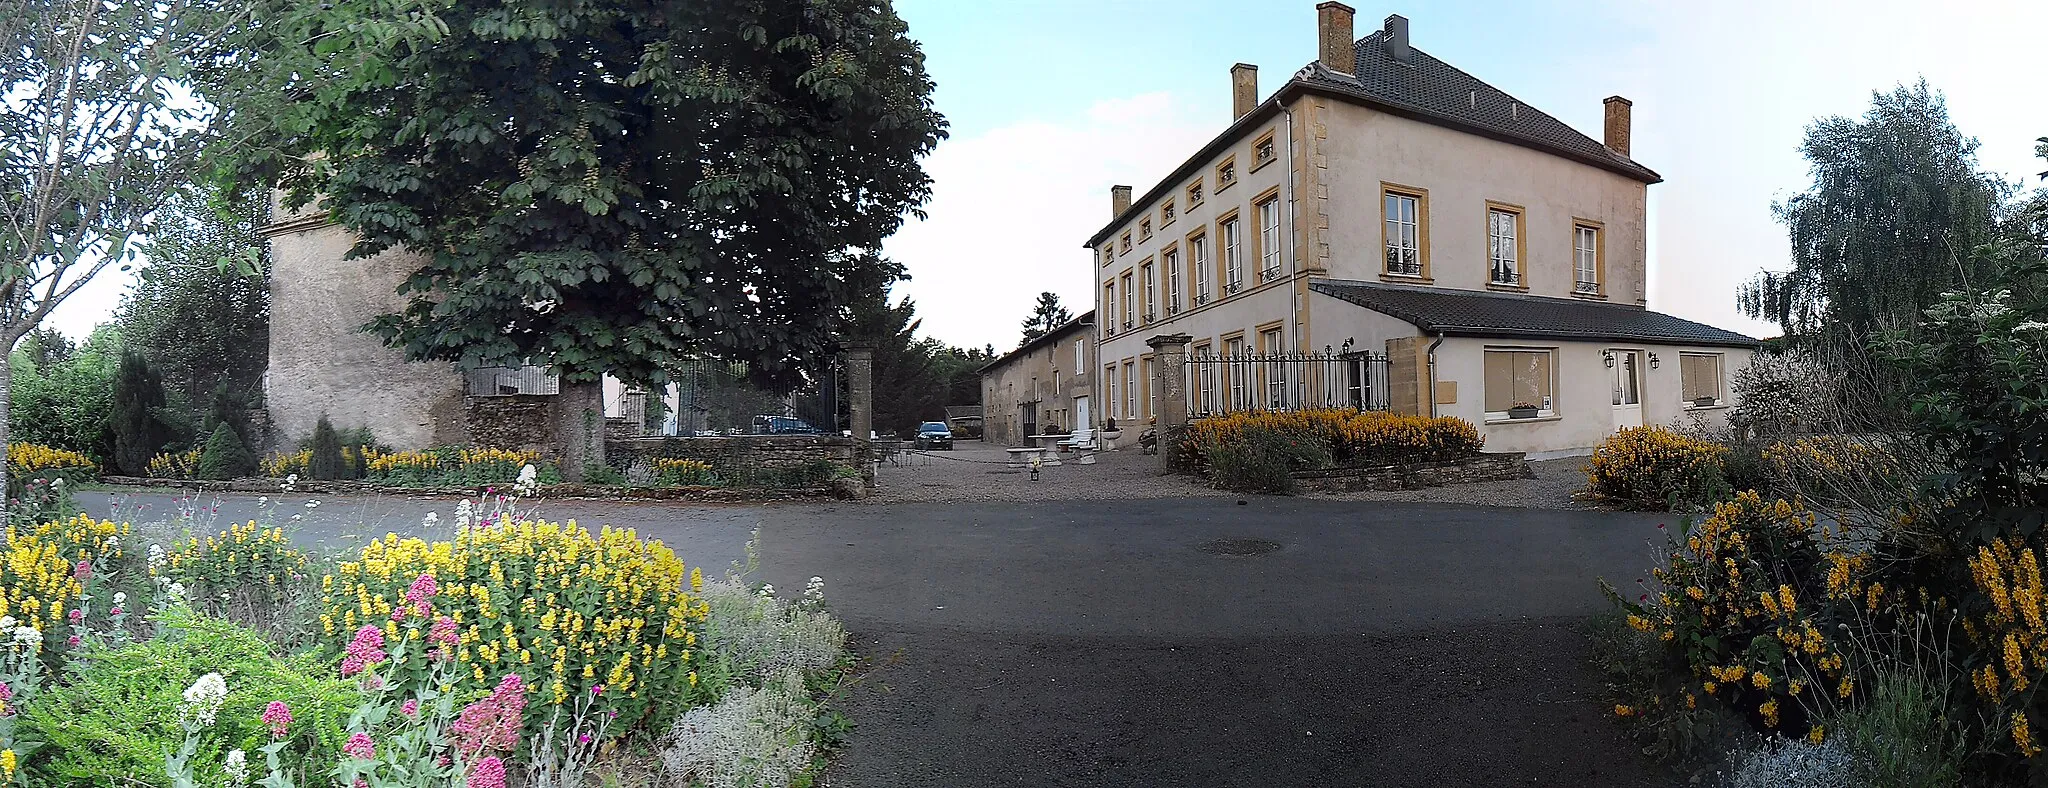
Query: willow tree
[1895, 216]
[612, 186]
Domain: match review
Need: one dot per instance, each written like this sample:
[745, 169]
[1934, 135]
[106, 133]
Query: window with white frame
[1081, 353]
[1237, 397]
[1130, 391]
[1503, 229]
[1171, 258]
[1145, 384]
[1151, 293]
[1109, 307]
[1205, 382]
[1518, 378]
[1198, 260]
[1585, 259]
[1130, 294]
[1700, 379]
[1269, 240]
[1403, 234]
[1233, 259]
[1110, 382]
[1273, 343]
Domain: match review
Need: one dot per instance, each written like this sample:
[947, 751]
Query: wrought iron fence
[1329, 379]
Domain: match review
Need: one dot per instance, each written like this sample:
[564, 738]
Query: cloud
[1011, 207]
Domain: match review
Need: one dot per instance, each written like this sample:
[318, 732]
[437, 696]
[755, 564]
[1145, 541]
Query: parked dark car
[782, 425]
[934, 435]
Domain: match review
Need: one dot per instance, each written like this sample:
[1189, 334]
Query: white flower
[2031, 325]
[767, 590]
[263, 501]
[529, 481]
[57, 482]
[156, 557]
[465, 514]
[430, 520]
[237, 766]
[120, 598]
[298, 517]
[314, 504]
[27, 636]
[176, 589]
[204, 697]
[112, 542]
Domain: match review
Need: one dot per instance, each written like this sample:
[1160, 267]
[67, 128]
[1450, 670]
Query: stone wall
[1488, 467]
[748, 454]
[517, 422]
[321, 363]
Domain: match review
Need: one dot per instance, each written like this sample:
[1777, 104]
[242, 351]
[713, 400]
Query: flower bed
[1655, 467]
[1258, 451]
[513, 650]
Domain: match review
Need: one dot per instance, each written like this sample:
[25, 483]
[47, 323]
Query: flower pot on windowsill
[1523, 413]
[1705, 402]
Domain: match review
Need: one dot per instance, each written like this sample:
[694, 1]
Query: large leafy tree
[1894, 217]
[203, 323]
[611, 186]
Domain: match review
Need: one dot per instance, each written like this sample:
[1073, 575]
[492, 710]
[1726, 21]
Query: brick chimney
[1333, 36]
[1394, 35]
[1617, 133]
[1119, 200]
[1244, 89]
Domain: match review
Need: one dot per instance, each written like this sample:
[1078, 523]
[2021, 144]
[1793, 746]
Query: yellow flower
[1817, 735]
[1623, 711]
[7, 763]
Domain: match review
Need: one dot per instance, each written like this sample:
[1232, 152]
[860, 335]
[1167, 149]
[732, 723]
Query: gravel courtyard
[979, 472]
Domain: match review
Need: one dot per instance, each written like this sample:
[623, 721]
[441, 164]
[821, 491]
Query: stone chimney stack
[1333, 36]
[1395, 35]
[1244, 89]
[1119, 200]
[1617, 132]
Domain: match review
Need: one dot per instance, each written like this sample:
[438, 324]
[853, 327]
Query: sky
[1052, 101]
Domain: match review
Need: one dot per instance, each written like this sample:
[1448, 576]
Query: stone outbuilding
[1042, 384]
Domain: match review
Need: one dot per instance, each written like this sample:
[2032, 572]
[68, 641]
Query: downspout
[1432, 373]
[1287, 190]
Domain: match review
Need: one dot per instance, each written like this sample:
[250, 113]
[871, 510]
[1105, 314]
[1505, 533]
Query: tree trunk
[6, 428]
[579, 429]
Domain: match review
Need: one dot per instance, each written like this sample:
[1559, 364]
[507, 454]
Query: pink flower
[444, 638]
[115, 612]
[71, 641]
[279, 717]
[360, 746]
[83, 572]
[418, 598]
[76, 615]
[583, 738]
[492, 723]
[596, 690]
[489, 773]
[365, 650]
[410, 708]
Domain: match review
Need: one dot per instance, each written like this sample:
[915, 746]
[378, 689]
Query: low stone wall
[738, 454]
[1489, 467]
[520, 422]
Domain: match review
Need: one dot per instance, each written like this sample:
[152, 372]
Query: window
[1262, 151]
[1130, 391]
[1586, 263]
[1233, 258]
[1145, 384]
[1269, 239]
[1503, 245]
[1273, 343]
[1402, 232]
[1166, 213]
[1195, 193]
[1205, 390]
[1124, 245]
[1109, 307]
[1198, 261]
[1108, 252]
[1129, 293]
[1110, 382]
[1700, 379]
[1518, 377]
[1236, 396]
[1171, 258]
[1080, 352]
[1151, 293]
[1145, 229]
[1226, 173]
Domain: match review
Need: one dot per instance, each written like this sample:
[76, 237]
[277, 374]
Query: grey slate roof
[1466, 313]
[1434, 91]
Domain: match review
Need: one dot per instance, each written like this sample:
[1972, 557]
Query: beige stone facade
[1044, 383]
[1337, 177]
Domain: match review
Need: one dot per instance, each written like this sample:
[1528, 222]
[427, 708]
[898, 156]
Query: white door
[1081, 421]
[1628, 389]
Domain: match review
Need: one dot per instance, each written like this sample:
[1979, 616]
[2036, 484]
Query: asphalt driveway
[1096, 643]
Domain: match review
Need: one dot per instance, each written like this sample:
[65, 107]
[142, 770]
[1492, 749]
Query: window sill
[1492, 419]
[1507, 287]
[1223, 188]
[1590, 296]
[1410, 278]
[1716, 406]
[1260, 165]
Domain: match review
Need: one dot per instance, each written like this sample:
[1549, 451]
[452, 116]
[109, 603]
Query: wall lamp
[1607, 356]
[1653, 359]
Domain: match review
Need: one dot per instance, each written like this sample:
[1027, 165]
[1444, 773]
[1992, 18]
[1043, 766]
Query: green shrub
[224, 456]
[327, 462]
[1902, 735]
[139, 433]
[1652, 468]
[113, 717]
[1260, 459]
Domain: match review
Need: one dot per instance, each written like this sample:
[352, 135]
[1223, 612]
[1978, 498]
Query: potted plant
[1109, 430]
[1523, 410]
[1704, 402]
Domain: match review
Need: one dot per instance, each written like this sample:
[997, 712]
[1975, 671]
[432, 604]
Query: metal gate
[1286, 381]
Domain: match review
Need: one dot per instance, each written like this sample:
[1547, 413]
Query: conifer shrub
[327, 462]
[224, 456]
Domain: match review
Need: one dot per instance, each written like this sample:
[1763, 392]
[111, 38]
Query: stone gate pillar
[1170, 391]
[860, 391]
